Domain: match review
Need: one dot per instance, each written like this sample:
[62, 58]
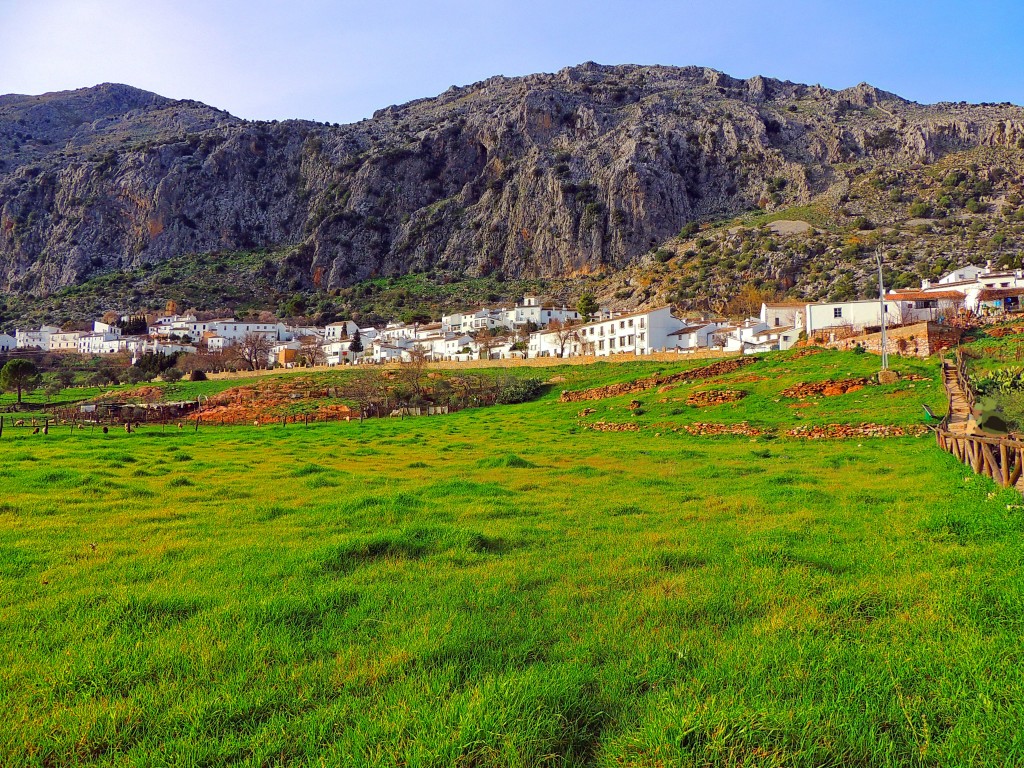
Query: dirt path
[960, 412]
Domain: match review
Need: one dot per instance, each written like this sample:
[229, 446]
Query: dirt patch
[270, 401]
[998, 333]
[827, 388]
[789, 227]
[845, 431]
[806, 352]
[652, 382]
[715, 397]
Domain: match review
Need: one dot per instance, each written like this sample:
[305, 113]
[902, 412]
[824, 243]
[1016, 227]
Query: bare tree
[368, 390]
[486, 341]
[564, 334]
[412, 371]
[312, 351]
[253, 351]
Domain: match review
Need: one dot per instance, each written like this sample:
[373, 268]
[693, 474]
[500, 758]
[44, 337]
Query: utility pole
[881, 302]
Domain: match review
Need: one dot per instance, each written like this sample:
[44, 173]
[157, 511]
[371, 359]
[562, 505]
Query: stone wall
[919, 340]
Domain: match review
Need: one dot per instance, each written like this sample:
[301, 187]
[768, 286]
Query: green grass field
[504, 587]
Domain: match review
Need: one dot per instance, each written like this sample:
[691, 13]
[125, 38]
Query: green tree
[356, 345]
[587, 305]
[19, 375]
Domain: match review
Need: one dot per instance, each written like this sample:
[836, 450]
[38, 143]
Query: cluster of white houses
[536, 329]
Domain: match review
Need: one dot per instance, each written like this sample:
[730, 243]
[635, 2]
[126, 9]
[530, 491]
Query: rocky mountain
[582, 172]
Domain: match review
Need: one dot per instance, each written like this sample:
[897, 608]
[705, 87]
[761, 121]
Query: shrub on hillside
[516, 390]
[171, 375]
[197, 375]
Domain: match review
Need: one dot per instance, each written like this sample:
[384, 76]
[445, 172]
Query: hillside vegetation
[506, 586]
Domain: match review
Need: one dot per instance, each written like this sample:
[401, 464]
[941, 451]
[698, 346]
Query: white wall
[849, 314]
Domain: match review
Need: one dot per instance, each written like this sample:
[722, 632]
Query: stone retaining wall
[919, 340]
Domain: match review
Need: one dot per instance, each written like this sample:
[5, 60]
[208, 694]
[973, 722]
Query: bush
[515, 390]
[920, 210]
[171, 375]
[136, 375]
[197, 375]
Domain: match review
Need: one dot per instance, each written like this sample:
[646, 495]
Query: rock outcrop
[560, 174]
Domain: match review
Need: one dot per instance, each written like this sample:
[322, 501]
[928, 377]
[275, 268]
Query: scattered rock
[888, 377]
[867, 429]
[715, 397]
[827, 388]
[607, 426]
[653, 382]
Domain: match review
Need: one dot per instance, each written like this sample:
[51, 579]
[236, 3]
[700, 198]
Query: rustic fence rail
[1000, 458]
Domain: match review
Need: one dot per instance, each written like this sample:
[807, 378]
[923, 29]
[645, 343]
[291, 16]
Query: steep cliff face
[547, 175]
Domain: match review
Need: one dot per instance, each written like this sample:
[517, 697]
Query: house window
[837, 312]
[600, 344]
[641, 322]
[611, 343]
[640, 336]
[631, 323]
[629, 340]
[622, 323]
[778, 321]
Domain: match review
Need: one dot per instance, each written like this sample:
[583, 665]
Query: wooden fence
[996, 457]
[1000, 458]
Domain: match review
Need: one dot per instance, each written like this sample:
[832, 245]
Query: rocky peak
[580, 171]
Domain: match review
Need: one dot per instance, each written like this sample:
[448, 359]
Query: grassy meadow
[505, 587]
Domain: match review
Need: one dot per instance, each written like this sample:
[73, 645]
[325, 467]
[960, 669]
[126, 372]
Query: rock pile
[708, 429]
[608, 426]
[715, 397]
[642, 385]
[827, 388]
[868, 429]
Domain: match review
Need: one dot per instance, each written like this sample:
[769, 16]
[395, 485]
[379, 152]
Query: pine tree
[356, 344]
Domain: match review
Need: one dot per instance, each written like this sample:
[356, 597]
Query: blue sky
[339, 61]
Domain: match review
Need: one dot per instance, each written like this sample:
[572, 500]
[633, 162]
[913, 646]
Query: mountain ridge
[578, 172]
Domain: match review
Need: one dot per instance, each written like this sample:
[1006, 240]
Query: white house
[38, 339]
[234, 331]
[340, 352]
[98, 326]
[638, 333]
[65, 341]
[962, 275]
[108, 343]
[848, 316]
[532, 310]
[916, 306]
[342, 330]
[786, 314]
[695, 335]
[7, 343]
